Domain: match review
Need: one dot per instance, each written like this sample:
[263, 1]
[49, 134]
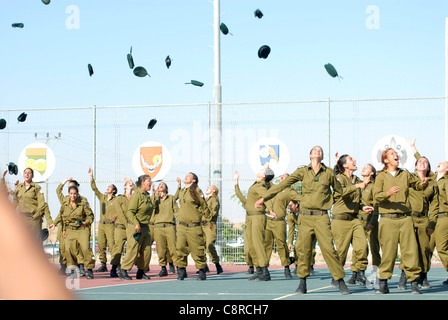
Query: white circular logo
[40, 158]
[272, 151]
[151, 158]
[400, 145]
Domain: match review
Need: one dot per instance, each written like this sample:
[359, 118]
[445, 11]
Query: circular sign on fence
[400, 145]
[40, 158]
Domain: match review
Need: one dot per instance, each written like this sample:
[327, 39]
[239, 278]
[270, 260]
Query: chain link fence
[109, 139]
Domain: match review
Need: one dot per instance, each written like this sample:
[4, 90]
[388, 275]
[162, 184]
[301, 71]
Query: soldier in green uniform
[121, 223]
[317, 199]
[165, 227]
[292, 220]
[210, 227]
[369, 221]
[30, 202]
[346, 226]
[256, 224]
[425, 207]
[441, 230]
[248, 258]
[140, 210]
[276, 225]
[190, 238]
[391, 192]
[77, 218]
[106, 227]
[58, 222]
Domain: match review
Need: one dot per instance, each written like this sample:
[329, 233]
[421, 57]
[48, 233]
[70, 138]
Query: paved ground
[233, 285]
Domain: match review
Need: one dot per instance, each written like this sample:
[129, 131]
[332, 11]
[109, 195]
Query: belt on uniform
[442, 214]
[418, 214]
[395, 215]
[343, 217]
[313, 212]
[363, 218]
[204, 223]
[190, 225]
[277, 219]
[75, 228]
[107, 222]
[254, 213]
[120, 226]
[163, 225]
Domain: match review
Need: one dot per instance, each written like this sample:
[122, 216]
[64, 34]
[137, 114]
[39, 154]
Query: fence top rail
[329, 100]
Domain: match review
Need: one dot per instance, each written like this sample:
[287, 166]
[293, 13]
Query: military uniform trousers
[316, 226]
[397, 229]
[78, 239]
[248, 250]
[137, 252]
[210, 230]
[256, 239]
[35, 225]
[441, 238]
[105, 239]
[165, 237]
[190, 238]
[276, 230]
[120, 238]
[62, 248]
[421, 223]
[348, 230]
[372, 242]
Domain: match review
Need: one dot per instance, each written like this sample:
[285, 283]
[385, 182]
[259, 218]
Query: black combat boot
[89, 274]
[343, 289]
[353, 278]
[402, 281]
[181, 273]
[82, 271]
[163, 272]
[113, 272]
[257, 274]
[265, 275]
[414, 287]
[423, 281]
[123, 275]
[103, 268]
[141, 275]
[250, 270]
[288, 273]
[202, 275]
[218, 268]
[361, 279]
[301, 289]
[172, 269]
[383, 287]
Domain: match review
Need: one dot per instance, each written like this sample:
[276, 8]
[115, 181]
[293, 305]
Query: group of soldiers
[129, 223]
[378, 213]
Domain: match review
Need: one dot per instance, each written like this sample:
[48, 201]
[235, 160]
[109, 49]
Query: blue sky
[44, 65]
[47, 60]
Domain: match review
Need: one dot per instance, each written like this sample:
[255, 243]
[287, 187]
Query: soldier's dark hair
[194, 194]
[74, 182]
[74, 188]
[141, 179]
[339, 167]
[320, 150]
[428, 173]
[373, 176]
[114, 188]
